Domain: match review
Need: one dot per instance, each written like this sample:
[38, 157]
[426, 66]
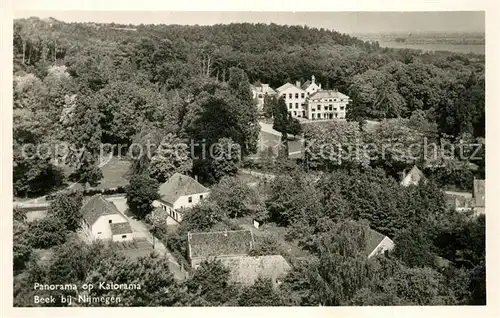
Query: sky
[345, 22]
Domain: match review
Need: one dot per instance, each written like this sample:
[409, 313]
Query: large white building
[311, 102]
[295, 98]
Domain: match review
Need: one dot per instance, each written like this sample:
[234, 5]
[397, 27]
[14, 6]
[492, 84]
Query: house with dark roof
[479, 197]
[377, 243]
[179, 192]
[414, 177]
[204, 246]
[232, 249]
[103, 221]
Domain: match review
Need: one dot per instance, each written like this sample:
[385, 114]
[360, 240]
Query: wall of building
[295, 100]
[326, 109]
[121, 238]
[184, 201]
[102, 230]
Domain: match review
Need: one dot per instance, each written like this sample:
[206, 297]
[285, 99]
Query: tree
[67, 208]
[233, 196]
[267, 245]
[171, 156]
[414, 247]
[261, 293]
[204, 216]
[140, 194]
[226, 158]
[210, 283]
[47, 232]
[19, 215]
[21, 245]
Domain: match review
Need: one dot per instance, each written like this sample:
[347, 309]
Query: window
[290, 95]
[201, 196]
[335, 99]
[302, 95]
[290, 105]
[190, 199]
[99, 233]
[295, 113]
[319, 107]
[341, 107]
[260, 95]
[296, 95]
[110, 221]
[124, 236]
[164, 207]
[312, 116]
[330, 107]
[296, 105]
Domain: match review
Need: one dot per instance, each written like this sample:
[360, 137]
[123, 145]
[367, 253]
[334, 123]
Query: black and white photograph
[237, 159]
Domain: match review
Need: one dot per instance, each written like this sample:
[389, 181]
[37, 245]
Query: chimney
[225, 232]
[313, 79]
[319, 85]
[265, 87]
[297, 84]
[196, 177]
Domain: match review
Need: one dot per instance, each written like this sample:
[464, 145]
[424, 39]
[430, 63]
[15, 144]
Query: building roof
[328, 94]
[246, 269]
[221, 243]
[120, 228]
[96, 207]
[459, 199]
[306, 84]
[413, 177]
[373, 239]
[479, 192]
[264, 88]
[180, 185]
[286, 86]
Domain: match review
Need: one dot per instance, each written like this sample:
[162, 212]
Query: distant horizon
[344, 22]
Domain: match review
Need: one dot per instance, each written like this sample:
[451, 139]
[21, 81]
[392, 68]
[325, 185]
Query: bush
[47, 232]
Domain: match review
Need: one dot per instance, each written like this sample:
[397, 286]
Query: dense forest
[88, 84]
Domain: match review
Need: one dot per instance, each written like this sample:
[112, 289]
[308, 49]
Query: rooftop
[180, 185]
[328, 94]
[221, 243]
[246, 269]
[96, 207]
[373, 239]
[286, 86]
[413, 177]
[120, 228]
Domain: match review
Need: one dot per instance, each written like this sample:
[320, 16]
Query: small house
[377, 243]
[103, 221]
[179, 192]
[414, 177]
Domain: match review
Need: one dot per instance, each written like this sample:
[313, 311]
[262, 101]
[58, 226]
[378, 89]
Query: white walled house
[295, 98]
[259, 92]
[179, 192]
[326, 105]
[101, 221]
[377, 243]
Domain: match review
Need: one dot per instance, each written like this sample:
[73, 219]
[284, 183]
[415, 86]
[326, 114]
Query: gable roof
[246, 269]
[221, 243]
[96, 207]
[306, 84]
[328, 94]
[479, 192]
[373, 239]
[414, 176]
[286, 86]
[120, 228]
[263, 88]
[179, 185]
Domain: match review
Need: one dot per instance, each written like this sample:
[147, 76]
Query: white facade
[295, 99]
[313, 87]
[186, 201]
[385, 245]
[123, 237]
[101, 229]
[326, 105]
